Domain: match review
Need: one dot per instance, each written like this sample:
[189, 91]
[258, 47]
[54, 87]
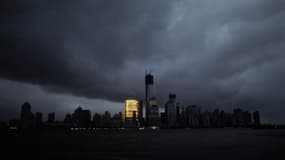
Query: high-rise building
[205, 119]
[148, 93]
[141, 119]
[153, 112]
[131, 105]
[171, 111]
[97, 120]
[193, 114]
[256, 118]
[131, 112]
[68, 118]
[39, 118]
[51, 117]
[117, 120]
[81, 117]
[247, 119]
[215, 118]
[27, 117]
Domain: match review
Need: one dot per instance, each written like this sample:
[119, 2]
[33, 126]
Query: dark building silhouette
[27, 117]
[153, 112]
[39, 119]
[117, 120]
[148, 93]
[134, 119]
[247, 119]
[205, 119]
[238, 117]
[163, 119]
[68, 118]
[241, 118]
[81, 117]
[193, 114]
[51, 117]
[97, 120]
[171, 111]
[141, 120]
[183, 117]
[222, 119]
[107, 119]
[256, 118]
[216, 118]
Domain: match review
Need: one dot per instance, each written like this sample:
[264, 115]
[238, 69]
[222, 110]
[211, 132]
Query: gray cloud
[223, 53]
[17, 93]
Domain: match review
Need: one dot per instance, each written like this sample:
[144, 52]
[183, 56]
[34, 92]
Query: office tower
[163, 119]
[238, 117]
[247, 119]
[27, 117]
[97, 120]
[193, 114]
[39, 118]
[153, 112]
[148, 93]
[68, 118]
[117, 121]
[215, 118]
[256, 118]
[51, 117]
[81, 117]
[141, 113]
[131, 112]
[206, 119]
[171, 110]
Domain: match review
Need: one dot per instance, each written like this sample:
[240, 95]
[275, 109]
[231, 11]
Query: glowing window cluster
[131, 106]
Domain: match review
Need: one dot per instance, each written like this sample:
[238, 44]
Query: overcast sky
[219, 54]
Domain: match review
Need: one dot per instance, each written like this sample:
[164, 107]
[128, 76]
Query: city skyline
[140, 113]
[224, 54]
[161, 105]
[174, 116]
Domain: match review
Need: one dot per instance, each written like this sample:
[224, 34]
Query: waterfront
[154, 144]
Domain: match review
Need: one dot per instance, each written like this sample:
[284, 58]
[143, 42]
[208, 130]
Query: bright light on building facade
[131, 109]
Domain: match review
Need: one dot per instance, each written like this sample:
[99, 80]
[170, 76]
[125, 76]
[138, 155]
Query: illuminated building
[131, 112]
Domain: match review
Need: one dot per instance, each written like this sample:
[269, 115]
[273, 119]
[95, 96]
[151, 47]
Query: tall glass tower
[148, 93]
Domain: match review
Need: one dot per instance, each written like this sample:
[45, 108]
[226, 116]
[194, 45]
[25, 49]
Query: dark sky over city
[218, 54]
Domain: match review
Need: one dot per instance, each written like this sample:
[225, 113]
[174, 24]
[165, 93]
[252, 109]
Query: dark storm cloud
[223, 53]
[79, 48]
[16, 93]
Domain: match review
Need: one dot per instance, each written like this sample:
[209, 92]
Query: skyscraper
[171, 110]
[131, 112]
[256, 118]
[81, 117]
[27, 117]
[153, 112]
[141, 113]
[51, 117]
[39, 118]
[148, 93]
